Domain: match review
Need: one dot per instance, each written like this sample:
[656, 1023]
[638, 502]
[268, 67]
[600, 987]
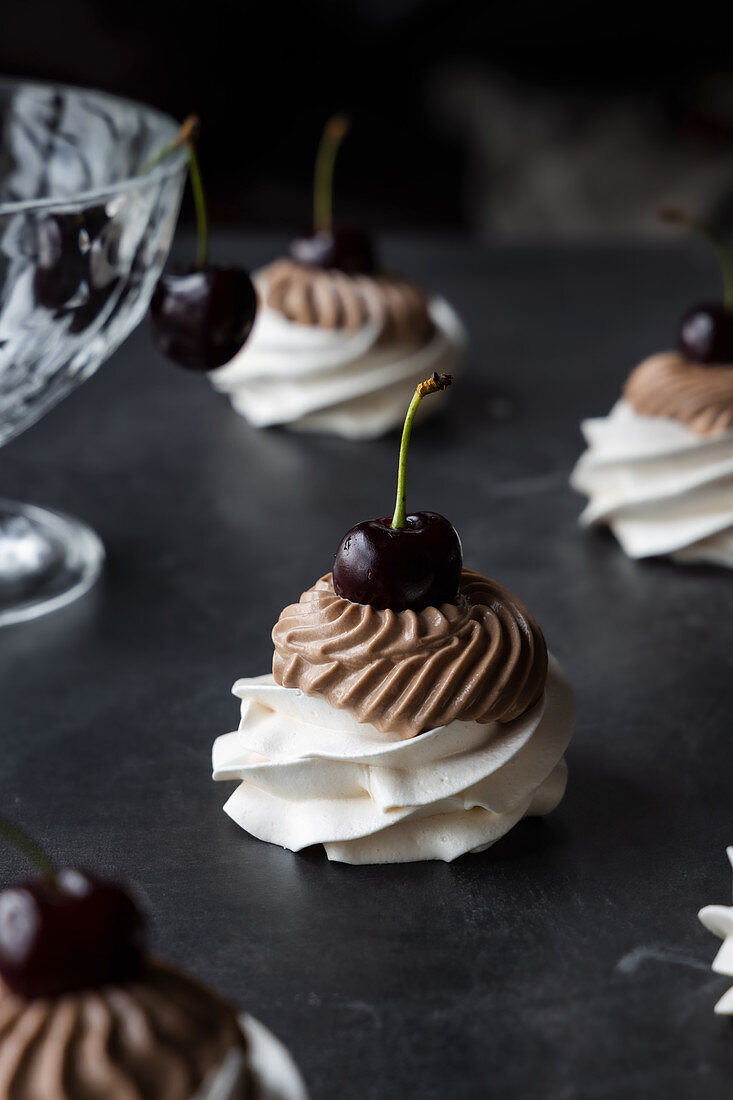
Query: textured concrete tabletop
[568, 961]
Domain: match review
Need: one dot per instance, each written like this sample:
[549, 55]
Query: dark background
[526, 118]
[567, 963]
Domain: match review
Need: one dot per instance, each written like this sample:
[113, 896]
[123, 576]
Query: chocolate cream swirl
[331, 299]
[156, 1038]
[699, 396]
[482, 658]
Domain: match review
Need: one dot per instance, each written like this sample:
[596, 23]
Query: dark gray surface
[568, 961]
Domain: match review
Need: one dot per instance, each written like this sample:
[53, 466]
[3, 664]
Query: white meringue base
[267, 1063]
[310, 774]
[719, 919]
[314, 379]
[662, 489]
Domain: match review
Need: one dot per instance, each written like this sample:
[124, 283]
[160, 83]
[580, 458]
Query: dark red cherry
[347, 250]
[104, 278]
[72, 931]
[62, 264]
[87, 313]
[706, 334]
[202, 318]
[77, 270]
[406, 562]
[408, 568]
[325, 245]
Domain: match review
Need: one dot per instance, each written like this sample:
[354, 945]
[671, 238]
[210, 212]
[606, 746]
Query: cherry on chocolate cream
[326, 245]
[408, 562]
[706, 331]
[66, 929]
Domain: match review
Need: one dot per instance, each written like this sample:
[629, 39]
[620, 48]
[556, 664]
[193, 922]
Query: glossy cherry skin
[77, 270]
[77, 932]
[63, 263]
[414, 567]
[347, 250]
[706, 334]
[103, 275]
[202, 318]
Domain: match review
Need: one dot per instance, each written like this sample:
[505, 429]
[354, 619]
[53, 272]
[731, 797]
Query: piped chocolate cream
[330, 299]
[482, 658]
[156, 1038]
[699, 396]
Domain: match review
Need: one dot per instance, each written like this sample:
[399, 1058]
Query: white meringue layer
[267, 1066]
[331, 380]
[310, 774]
[719, 919]
[661, 488]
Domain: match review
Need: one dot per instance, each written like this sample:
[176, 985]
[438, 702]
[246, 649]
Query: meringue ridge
[308, 774]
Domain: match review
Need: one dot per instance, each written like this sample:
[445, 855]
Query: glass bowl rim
[169, 168]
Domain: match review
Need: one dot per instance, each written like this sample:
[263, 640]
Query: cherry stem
[199, 198]
[186, 139]
[675, 216]
[28, 847]
[430, 385]
[335, 131]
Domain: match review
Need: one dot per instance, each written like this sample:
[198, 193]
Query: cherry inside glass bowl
[83, 239]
